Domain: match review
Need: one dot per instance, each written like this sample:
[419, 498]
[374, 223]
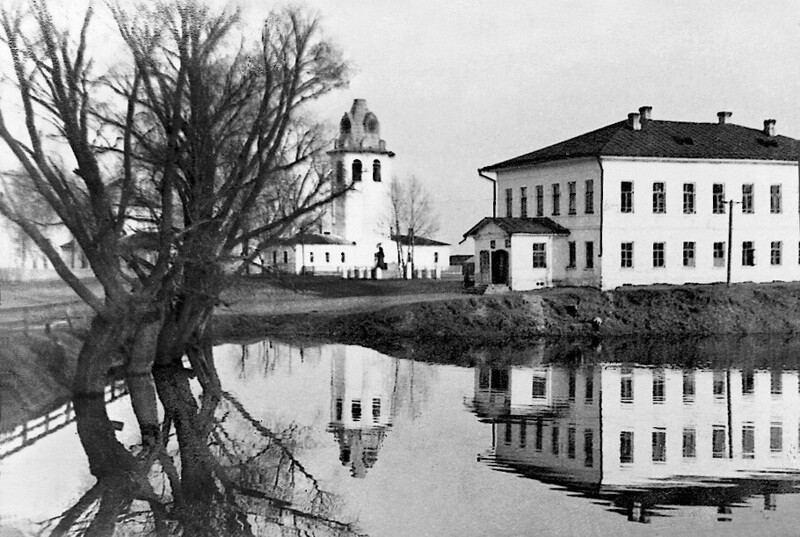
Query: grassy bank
[665, 311]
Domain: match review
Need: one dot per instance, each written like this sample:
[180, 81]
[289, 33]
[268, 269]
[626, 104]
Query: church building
[357, 225]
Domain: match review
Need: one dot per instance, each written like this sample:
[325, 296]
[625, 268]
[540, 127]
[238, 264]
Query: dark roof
[535, 226]
[666, 139]
[314, 238]
[405, 240]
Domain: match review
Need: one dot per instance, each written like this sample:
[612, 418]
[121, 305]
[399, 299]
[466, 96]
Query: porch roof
[512, 226]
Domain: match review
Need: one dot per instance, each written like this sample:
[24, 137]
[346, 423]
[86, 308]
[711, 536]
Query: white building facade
[648, 202]
[357, 224]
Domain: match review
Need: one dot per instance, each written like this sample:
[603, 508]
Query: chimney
[723, 117]
[769, 127]
[644, 112]
[634, 122]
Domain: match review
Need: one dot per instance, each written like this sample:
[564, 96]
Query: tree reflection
[215, 470]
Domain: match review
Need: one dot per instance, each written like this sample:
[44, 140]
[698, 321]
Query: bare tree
[412, 215]
[197, 130]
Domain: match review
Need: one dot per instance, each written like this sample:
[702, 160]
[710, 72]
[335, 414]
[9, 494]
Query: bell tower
[360, 159]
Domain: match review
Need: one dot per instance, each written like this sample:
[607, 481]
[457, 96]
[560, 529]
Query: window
[571, 443]
[776, 438]
[589, 199]
[589, 387]
[376, 170]
[356, 170]
[688, 254]
[775, 199]
[436, 257]
[507, 433]
[507, 243]
[719, 384]
[556, 199]
[571, 199]
[554, 440]
[311, 257]
[274, 258]
[523, 433]
[509, 202]
[355, 409]
[571, 385]
[626, 386]
[572, 254]
[327, 257]
[539, 387]
[748, 254]
[626, 447]
[343, 257]
[659, 445]
[285, 257]
[376, 409]
[688, 386]
[719, 254]
[748, 441]
[339, 408]
[659, 198]
[626, 197]
[689, 444]
[539, 200]
[589, 255]
[539, 434]
[588, 448]
[626, 255]
[688, 198]
[747, 198]
[523, 202]
[658, 254]
[748, 382]
[539, 255]
[718, 199]
[775, 252]
[340, 172]
[658, 386]
[776, 382]
[719, 442]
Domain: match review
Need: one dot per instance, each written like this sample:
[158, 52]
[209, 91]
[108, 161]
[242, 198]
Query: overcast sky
[463, 84]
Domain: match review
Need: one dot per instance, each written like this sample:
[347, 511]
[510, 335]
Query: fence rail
[37, 428]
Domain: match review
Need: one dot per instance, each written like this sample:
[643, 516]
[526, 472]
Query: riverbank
[36, 367]
[448, 313]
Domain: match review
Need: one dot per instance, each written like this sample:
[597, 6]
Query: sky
[462, 84]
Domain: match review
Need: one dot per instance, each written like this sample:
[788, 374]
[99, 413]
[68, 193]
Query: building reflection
[359, 399]
[645, 438]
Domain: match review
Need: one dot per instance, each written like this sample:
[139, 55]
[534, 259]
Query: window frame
[556, 193]
[718, 198]
[776, 199]
[626, 255]
[626, 197]
[689, 254]
[659, 197]
[689, 198]
[748, 198]
[659, 255]
[539, 251]
[588, 200]
[572, 198]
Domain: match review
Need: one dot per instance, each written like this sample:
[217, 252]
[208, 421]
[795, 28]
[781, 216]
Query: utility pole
[730, 239]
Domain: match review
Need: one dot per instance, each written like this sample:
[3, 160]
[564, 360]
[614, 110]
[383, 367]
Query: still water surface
[626, 438]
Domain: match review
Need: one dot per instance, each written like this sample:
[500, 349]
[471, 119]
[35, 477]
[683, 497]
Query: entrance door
[500, 267]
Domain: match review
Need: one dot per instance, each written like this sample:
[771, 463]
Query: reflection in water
[645, 438]
[221, 472]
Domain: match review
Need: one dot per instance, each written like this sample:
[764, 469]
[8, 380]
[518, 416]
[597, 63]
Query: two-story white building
[645, 201]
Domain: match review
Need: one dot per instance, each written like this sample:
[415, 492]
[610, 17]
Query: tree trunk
[94, 358]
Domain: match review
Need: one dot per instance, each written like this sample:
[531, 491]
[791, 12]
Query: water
[574, 438]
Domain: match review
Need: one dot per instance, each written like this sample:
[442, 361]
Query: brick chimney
[723, 117]
[644, 112]
[634, 121]
[769, 127]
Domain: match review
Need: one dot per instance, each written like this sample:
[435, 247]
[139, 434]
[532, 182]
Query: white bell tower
[360, 158]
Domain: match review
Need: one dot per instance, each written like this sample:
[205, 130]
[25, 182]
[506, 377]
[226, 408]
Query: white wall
[362, 215]
[583, 227]
[643, 228]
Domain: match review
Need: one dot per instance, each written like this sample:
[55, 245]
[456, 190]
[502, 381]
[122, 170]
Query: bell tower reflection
[363, 399]
[646, 437]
